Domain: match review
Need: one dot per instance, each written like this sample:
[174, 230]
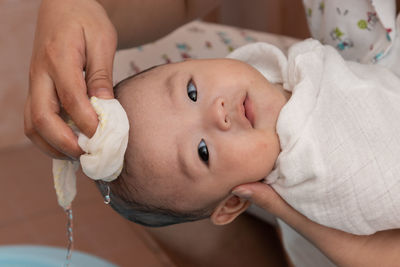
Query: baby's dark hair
[123, 200]
[144, 214]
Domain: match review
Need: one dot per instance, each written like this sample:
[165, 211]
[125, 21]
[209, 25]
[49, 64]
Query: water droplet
[69, 236]
[107, 199]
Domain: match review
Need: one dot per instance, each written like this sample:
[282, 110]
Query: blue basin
[43, 256]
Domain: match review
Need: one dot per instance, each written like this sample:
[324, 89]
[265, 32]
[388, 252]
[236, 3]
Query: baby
[320, 130]
[197, 131]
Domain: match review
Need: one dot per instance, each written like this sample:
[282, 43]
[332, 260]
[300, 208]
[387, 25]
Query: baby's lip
[248, 110]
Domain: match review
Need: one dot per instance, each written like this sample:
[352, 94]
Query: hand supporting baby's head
[198, 129]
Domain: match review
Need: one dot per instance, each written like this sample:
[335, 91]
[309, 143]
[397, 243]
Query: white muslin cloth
[339, 133]
[104, 152]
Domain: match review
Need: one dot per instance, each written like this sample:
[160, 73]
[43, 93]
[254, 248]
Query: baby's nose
[219, 115]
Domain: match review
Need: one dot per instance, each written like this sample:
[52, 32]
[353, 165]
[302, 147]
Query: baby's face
[198, 129]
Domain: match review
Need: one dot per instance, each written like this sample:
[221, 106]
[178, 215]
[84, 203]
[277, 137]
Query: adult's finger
[72, 93]
[45, 117]
[99, 61]
[33, 135]
[263, 196]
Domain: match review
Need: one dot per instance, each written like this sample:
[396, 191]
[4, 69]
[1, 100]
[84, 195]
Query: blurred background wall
[17, 25]
[286, 17]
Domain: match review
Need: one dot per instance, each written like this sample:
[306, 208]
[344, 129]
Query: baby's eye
[192, 91]
[203, 151]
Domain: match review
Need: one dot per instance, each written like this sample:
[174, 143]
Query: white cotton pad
[104, 152]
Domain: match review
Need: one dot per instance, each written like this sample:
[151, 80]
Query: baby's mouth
[248, 110]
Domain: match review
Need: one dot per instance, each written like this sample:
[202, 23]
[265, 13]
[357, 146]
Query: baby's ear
[228, 209]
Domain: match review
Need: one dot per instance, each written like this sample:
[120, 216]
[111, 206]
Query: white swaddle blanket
[104, 152]
[339, 135]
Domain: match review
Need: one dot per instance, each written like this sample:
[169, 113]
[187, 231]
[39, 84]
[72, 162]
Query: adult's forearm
[141, 21]
[344, 249]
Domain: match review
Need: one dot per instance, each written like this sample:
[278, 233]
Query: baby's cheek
[264, 155]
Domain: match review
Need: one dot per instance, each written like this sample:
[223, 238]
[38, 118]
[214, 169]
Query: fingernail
[242, 193]
[103, 93]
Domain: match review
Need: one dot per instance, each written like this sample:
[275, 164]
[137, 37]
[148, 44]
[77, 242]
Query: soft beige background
[17, 24]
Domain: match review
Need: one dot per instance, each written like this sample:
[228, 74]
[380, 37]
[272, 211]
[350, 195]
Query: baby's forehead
[192, 65]
[153, 167]
[137, 76]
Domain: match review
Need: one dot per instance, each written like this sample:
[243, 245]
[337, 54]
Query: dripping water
[69, 236]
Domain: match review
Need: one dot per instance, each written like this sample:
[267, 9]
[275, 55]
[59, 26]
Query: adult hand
[344, 249]
[265, 197]
[71, 37]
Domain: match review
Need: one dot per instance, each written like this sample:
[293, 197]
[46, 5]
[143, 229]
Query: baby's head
[198, 129]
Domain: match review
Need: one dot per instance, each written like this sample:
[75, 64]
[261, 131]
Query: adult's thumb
[100, 53]
[99, 83]
[262, 195]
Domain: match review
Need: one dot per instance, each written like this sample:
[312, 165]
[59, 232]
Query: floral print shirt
[361, 30]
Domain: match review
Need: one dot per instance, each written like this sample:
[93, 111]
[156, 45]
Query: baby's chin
[267, 105]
